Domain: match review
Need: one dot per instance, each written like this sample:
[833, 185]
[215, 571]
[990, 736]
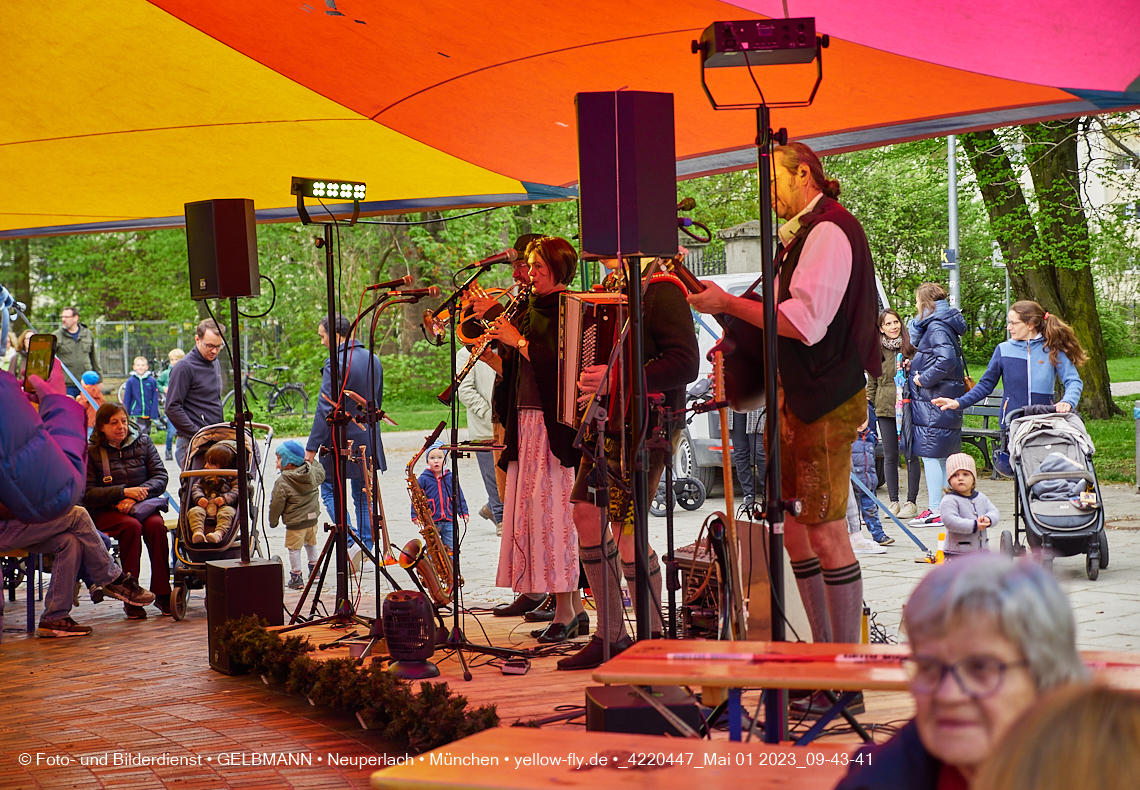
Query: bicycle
[282, 400]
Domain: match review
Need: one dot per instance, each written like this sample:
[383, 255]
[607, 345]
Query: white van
[699, 450]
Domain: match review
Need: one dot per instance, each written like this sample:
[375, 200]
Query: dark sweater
[539, 325]
[902, 763]
[194, 394]
[136, 463]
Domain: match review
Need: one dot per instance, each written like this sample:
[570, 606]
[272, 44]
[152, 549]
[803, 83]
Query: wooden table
[796, 665]
[632, 762]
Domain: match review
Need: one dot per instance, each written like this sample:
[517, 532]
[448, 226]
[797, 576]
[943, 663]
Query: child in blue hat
[297, 502]
[436, 483]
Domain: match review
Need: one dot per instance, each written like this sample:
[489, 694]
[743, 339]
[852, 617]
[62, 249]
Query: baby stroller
[1056, 494]
[190, 558]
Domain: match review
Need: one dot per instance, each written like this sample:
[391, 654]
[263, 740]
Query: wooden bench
[985, 438]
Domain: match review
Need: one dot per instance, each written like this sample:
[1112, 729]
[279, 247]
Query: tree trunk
[1050, 267]
[1052, 154]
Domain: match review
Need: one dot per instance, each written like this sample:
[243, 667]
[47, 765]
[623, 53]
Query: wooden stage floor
[141, 691]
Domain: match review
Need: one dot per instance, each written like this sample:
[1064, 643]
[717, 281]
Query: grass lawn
[1127, 369]
[418, 416]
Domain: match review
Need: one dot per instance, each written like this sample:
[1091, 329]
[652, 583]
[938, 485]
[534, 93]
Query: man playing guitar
[826, 327]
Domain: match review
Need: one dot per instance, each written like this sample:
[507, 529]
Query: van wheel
[685, 463]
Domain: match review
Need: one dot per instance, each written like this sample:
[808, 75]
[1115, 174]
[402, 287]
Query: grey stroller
[1056, 494]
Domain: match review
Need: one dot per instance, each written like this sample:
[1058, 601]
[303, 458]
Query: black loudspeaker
[620, 709]
[410, 632]
[235, 589]
[221, 241]
[627, 174]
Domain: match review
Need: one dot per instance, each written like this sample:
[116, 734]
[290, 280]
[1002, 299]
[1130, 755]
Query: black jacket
[136, 463]
[194, 394]
[902, 763]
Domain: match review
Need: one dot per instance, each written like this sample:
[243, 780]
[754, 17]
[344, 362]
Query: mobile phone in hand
[41, 359]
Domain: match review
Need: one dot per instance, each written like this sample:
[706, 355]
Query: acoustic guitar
[742, 347]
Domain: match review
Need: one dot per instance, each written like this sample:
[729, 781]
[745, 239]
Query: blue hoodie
[938, 365]
[1027, 376]
[141, 396]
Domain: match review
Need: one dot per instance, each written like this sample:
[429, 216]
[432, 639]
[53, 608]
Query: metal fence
[704, 262]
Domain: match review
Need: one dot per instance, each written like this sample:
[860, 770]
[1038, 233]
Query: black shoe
[590, 656]
[559, 632]
[518, 607]
[543, 614]
[818, 704]
[127, 590]
[134, 612]
[169, 456]
[582, 619]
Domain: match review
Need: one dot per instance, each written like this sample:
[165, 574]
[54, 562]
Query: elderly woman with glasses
[988, 636]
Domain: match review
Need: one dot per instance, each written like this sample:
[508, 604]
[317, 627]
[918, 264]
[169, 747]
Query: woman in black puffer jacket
[136, 473]
[936, 372]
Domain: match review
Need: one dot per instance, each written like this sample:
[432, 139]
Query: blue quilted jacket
[938, 365]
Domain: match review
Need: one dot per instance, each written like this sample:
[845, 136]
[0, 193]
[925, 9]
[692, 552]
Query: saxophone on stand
[431, 559]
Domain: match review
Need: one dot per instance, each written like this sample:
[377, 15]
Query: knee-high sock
[809, 579]
[628, 570]
[844, 590]
[611, 624]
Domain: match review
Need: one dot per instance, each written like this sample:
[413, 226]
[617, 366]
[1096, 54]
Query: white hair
[1024, 600]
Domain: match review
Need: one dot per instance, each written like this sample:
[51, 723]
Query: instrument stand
[664, 441]
[457, 640]
[338, 420]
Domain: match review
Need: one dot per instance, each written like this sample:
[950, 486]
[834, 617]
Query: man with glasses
[988, 637]
[75, 347]
[194, 392]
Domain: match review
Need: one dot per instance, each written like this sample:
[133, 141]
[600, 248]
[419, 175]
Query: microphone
[418, 293]
[506, 256]
[405, 280]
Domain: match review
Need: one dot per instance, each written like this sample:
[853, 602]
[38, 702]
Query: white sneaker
[894, 507]
[860, 544]
[927, 518]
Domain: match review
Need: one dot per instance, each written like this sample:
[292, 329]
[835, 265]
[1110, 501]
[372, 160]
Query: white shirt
[820, 280]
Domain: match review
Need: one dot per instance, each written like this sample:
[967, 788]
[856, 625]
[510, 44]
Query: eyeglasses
[977, 676]
[213, 347]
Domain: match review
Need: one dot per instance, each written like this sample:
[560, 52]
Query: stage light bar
[327, 189]
[758, 42]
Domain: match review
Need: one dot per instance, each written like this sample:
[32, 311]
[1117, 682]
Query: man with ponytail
[826, 323]
[1042, 348]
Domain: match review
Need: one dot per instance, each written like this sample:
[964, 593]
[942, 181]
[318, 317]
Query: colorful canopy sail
[117, 112]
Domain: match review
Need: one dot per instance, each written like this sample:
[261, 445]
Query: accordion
[589, 324]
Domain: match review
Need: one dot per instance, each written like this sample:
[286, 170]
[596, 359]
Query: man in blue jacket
[43, 472]
[363, 370]
[194, 392]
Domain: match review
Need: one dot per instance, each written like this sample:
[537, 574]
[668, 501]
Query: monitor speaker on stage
[236, 589]
[627, 174]
[221, 240]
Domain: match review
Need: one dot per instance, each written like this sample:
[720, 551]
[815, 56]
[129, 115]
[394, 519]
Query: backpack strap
[107, 479]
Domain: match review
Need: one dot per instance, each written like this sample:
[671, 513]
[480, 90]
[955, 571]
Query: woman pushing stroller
[1042, 348]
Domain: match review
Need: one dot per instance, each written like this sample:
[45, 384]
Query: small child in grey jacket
[967, 513]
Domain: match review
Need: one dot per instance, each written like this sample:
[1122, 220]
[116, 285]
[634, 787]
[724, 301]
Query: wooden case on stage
[589, 324]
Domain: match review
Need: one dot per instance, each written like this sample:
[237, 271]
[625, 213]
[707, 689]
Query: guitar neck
[692, 284]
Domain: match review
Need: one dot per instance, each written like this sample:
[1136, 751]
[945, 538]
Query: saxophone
[431, 559]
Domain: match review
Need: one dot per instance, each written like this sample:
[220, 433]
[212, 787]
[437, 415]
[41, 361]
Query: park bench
[985, 438]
